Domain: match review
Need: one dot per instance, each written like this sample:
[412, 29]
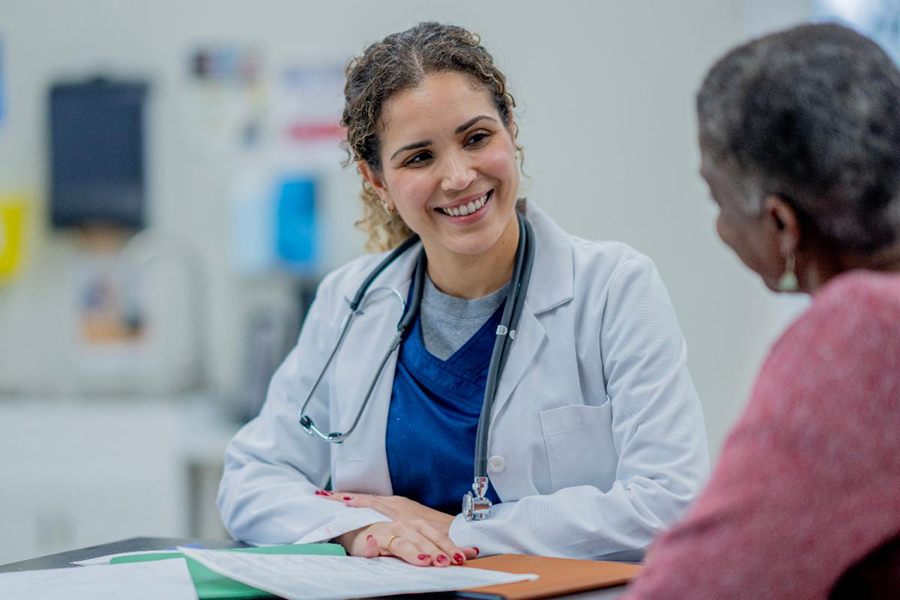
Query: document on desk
[304, 577]
[168, 579]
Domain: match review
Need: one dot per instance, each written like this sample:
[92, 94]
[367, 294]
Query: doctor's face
[449, 165]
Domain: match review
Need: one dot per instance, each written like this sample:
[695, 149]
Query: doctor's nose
[457, 174]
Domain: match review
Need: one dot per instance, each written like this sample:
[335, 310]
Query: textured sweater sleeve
[808, 482]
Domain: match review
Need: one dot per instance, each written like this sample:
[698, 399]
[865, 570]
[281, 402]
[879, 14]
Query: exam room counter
[83, 472]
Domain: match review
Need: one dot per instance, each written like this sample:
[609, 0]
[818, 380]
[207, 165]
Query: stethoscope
[474, 506]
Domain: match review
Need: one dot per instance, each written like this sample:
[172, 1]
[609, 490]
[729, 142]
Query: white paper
[307, 577]
[168, 579]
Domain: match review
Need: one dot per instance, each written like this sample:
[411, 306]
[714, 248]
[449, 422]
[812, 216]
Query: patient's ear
[782, 218]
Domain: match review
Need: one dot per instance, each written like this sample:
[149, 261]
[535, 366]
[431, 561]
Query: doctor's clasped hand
[417, 534]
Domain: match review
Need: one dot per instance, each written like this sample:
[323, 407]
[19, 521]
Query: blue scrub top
[433, 418]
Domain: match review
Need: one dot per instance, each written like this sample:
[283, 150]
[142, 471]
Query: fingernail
[441, 558]
[369, 537]
[347, 498]
[424, 557]
[459, 557]
[322, 493]
[477, 551]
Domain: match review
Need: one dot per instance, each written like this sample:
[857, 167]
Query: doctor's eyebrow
[414, 146]
[460, 129]
[471, 122]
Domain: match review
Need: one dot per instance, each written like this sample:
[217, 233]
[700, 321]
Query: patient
[800, 144]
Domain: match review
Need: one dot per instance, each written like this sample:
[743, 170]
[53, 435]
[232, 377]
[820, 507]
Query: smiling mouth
[467, 209]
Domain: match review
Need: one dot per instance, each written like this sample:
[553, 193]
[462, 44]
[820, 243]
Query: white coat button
[496, 464]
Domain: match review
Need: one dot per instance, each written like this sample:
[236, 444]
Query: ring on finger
[391, 541]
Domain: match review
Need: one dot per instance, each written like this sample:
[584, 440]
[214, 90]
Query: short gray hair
[811, 114]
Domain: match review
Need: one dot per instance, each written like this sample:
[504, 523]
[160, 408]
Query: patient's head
[800, 142]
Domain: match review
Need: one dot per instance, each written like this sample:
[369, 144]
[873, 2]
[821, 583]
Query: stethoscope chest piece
[477, 507]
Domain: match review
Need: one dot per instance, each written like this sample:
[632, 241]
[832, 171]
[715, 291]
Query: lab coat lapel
[529, 337]
[552, 284]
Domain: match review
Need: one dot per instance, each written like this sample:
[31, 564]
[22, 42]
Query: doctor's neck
[470, 276]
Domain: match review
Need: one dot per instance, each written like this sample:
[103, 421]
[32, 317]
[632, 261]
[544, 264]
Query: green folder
[211, 585]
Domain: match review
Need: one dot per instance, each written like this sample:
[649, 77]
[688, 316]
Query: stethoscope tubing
[506, 331]
[505, 334]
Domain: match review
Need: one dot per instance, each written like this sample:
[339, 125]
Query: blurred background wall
[110, 435]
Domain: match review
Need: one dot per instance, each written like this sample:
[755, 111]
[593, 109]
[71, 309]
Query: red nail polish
[458, 557]
[477, 551]
[369, 537]
[424, 557]
[441, 558]
[347, 498]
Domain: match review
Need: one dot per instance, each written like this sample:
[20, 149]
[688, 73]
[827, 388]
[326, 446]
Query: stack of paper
[300, 577]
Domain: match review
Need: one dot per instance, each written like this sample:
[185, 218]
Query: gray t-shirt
[448, 322]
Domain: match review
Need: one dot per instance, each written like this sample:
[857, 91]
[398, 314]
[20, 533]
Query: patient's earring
[788, 281]
[390, 210]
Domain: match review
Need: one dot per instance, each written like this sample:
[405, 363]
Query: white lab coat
[597, 439]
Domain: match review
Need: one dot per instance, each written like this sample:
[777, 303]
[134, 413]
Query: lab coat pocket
[580, 448]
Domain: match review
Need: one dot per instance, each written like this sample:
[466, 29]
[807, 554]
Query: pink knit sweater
[808, 483]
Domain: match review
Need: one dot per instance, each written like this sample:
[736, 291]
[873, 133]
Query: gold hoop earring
[788, 280]
[390, 210]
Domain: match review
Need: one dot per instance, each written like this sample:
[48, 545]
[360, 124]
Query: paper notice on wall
[307, 107]
[12, 235]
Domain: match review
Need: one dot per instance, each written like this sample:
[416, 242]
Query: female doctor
[595, 438]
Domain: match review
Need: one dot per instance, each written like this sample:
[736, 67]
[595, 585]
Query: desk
[64, 559]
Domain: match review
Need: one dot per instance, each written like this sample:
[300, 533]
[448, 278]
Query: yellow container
[12, 234]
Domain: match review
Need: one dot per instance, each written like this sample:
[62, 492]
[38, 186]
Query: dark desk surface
[64, 559]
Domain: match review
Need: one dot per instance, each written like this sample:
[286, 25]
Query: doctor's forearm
[580, 522]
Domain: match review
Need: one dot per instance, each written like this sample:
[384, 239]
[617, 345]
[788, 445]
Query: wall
[605, 93]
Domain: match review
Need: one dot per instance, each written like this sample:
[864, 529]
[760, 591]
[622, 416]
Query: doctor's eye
[417, 159]
[478, 139]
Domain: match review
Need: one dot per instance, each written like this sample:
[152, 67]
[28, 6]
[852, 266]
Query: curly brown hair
[399, 62]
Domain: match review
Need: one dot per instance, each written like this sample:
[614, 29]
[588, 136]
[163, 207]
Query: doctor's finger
[371, 549]
[378, 503]
[405, 549]
[436, 556]
[444, 545]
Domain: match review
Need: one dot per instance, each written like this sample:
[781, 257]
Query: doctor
[595, 438]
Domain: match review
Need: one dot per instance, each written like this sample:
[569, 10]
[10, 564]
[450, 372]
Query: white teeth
[466, 209]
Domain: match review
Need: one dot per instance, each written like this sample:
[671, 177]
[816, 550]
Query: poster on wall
[224, 101]
[307, 106]
[12, 234]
